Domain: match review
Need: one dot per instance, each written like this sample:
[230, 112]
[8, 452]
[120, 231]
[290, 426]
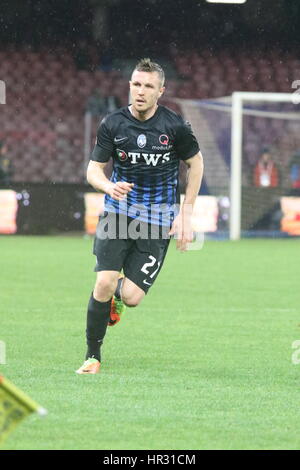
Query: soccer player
[146, 142]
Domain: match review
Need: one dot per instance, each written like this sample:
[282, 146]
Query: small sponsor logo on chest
[164, 139]
[122, 156]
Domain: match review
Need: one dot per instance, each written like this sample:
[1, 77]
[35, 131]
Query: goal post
[238, 100]
[236, 166]
[233, 133]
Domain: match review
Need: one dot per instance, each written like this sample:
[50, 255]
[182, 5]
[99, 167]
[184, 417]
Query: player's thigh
[144, 262]
[110, 253]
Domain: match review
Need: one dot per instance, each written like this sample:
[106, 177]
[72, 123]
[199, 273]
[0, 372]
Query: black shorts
[141, 259]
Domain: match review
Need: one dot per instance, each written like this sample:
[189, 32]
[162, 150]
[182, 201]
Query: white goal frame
[238, 99]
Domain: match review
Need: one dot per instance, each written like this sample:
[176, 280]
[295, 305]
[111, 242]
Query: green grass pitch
[205, 362]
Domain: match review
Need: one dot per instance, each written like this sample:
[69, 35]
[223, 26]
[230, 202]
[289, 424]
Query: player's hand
[182, 229]
[118, 191]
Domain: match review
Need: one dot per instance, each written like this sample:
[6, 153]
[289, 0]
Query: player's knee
[131, 300]
[104, 289]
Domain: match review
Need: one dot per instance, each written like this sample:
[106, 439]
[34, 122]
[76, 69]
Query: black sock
[118, 289]
[97, 318]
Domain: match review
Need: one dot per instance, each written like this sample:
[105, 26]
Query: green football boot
[116, 311]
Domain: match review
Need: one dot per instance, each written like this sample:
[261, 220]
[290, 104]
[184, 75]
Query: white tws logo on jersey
[149, 158]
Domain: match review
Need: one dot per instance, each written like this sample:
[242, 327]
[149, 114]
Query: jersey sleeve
[185, 142]
[103, 149]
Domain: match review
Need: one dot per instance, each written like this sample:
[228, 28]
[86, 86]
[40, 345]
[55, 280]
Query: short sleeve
[185, 142]
[103, 149]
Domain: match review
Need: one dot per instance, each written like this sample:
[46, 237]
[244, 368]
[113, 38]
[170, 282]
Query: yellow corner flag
[15, 405]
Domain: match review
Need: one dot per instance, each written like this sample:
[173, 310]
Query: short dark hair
[146, 65]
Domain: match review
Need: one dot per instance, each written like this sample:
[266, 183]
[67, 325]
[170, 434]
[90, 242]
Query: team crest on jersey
[122, 156]
[164, 139]
[141, 141]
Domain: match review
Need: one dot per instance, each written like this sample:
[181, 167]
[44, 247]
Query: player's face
[145, 90]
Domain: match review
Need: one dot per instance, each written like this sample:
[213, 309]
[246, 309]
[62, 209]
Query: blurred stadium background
[66, 64]
[219, 372]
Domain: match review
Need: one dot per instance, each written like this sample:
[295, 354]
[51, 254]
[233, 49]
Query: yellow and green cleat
[117, 309]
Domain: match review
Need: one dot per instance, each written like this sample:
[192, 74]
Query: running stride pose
[146, 142]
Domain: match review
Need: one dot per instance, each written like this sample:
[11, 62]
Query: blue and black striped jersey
[146, 153]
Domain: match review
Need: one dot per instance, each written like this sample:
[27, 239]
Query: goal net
[251, 148]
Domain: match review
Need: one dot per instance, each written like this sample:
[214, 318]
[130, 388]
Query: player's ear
[161, 91]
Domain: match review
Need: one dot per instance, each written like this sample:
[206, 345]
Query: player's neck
[144, 115]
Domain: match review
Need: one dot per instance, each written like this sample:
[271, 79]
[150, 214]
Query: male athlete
[147, 142]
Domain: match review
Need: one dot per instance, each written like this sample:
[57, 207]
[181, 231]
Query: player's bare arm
[182, 224]
[96, 178]
[194, 178]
